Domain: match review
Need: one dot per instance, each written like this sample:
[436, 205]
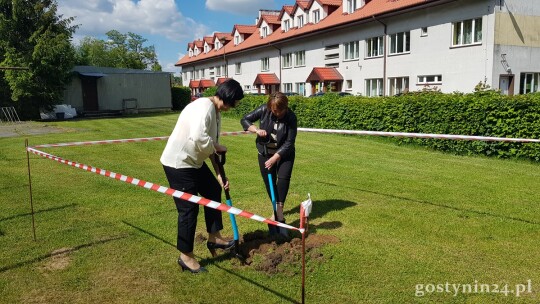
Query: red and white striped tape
[129, 140]
[165, 190]
[421, 135]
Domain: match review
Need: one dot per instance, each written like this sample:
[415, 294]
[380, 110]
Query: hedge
[181, 96]
[483, 113]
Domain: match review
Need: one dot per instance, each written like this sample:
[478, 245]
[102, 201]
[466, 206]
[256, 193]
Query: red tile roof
[303, 3]
[324, 74]
[286, 9]
[198, 43]
[245, 29]
[334, 20]
[206, 83]
[209, 39]
[269, 78]
[221, 80]
[270, 19]
[329, 2]
[194, 84]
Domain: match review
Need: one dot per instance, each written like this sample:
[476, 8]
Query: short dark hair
[230, 91]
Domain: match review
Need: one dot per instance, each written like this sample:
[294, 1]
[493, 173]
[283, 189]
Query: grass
[403, 216]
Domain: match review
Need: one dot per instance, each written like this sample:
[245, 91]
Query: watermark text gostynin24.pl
[516, 290]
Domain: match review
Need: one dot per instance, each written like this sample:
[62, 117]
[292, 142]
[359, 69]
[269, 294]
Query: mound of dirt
[273, 254]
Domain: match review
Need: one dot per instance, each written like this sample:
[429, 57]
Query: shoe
[213, 246]
[195, 271]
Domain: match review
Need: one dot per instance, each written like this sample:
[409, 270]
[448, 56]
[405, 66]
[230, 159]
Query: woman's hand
[220, 149]
[272, 161]
[261, 133]
[220, 180]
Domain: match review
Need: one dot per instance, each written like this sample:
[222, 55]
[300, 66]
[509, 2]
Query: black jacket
[286, 129]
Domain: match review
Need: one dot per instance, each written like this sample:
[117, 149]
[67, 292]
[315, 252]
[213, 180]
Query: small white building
[101, 89]
[379, 48]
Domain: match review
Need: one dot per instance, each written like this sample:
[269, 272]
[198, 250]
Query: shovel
[220, 160]
[273, 229]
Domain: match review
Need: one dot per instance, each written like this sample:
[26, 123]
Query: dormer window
[217, 45]
[316, 16]
[286, 25]
[264, 31]
[206, 48]
[300, 20]
[190, 53]
[351, 6]
[236, 40]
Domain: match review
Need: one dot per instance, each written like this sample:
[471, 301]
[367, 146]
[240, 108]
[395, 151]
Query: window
[398, 85]
[374, 87]
[190, 53]
[400, 43]
[331, 47]
[264, 31]
[300, 88]
[238, 68]
[430, 79]
[247, 87]
[351, 6]
[286, 25]
[529, 83]
[218, 70]
[351, 50]
[211, 71]
[197, 74]
[300, 58]
[375, 47]
[316, 16]
[202, 73]
[287, 87]
[206, 48]
[300, 20]
[331, 56]
[265, 64]
[467, 32]
[236, 40]
[287, 60]
[348, 84]
[332, 65]
[423, 32]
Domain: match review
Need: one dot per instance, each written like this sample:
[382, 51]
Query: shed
[103, 89]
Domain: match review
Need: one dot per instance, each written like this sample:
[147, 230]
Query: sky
[169, 25]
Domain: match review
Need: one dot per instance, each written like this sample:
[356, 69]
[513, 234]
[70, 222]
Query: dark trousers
[199, 182]
[281, 176]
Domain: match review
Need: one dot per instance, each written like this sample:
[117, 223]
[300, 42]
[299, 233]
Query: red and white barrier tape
[165, 190]
[421, 135]
[129, 140]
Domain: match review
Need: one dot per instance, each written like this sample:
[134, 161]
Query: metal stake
[30, 189]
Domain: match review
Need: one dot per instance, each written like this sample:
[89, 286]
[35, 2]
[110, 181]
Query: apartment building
[375, 48]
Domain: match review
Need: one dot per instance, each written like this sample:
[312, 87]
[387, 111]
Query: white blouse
[192, 140]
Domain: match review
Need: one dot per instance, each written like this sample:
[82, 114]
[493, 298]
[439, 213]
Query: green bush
[482, 113]
[181, 96]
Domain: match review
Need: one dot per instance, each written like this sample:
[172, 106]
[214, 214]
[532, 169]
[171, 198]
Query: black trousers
[281, 176]
[199, 182]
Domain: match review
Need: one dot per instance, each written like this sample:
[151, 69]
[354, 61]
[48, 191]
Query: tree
[35, 37]
[118, 51]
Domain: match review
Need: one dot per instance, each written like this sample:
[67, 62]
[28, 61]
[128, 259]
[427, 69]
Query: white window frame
[351, 6]
[300, 21]
[218, 70]
[287, 87]
[300, 59]
[348, 85]
[429, 79]
[265, 64]
[423, 31]
[351, 50]
[316, 16]
[236, 40]
[286, 25]
[287, 61]
[300, 88]
[264, 31]
[238, 68]
[375, 47]
[467, 32]
[529, 83]
[398, 85]
[404, 48]
[374, 87]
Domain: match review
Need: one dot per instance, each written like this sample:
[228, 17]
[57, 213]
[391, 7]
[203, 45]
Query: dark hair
[277, 100]
[230, 91]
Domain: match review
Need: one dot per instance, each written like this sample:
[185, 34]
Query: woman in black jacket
[275, 143]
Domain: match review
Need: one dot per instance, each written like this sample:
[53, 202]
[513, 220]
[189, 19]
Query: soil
[59, 260]
[273, 254]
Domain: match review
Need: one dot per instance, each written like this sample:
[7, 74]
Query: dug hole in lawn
[274, 254]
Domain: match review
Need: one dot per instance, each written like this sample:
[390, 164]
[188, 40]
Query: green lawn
[403, 216]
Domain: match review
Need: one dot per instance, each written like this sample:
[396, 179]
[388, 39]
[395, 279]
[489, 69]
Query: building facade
[377, 48]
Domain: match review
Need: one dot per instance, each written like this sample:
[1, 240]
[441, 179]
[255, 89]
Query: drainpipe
[385, 52]
[279, 50]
